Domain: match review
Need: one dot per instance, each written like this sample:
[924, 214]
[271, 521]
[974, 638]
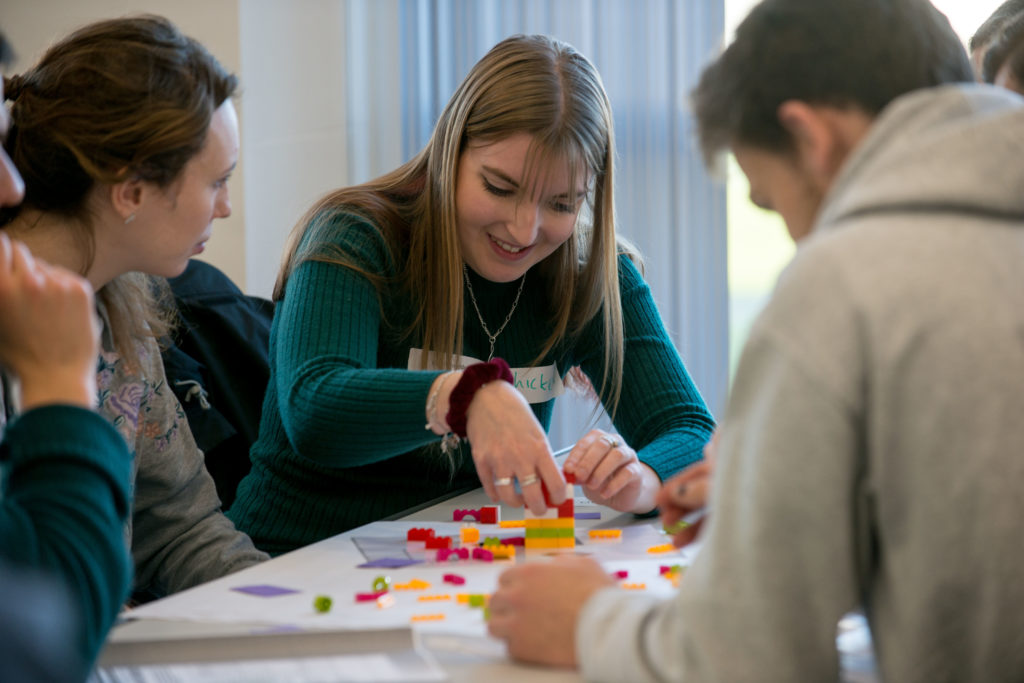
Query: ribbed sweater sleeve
[337, 407]
[660, 413]
[63, 508]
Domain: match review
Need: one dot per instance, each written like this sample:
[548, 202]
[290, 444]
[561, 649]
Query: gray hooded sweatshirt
[872, 452]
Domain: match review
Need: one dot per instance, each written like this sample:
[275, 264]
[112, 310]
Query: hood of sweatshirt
[953, 148]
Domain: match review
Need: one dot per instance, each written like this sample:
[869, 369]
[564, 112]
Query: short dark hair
[988, 30]
[847, 53]
[1006, 48]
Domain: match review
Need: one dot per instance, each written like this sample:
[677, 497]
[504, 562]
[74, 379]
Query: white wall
[32, 25]
[293, 137]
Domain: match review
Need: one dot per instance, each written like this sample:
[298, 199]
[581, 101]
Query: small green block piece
[676, 528]
[322, 603]
[381, 583]
[476, 600]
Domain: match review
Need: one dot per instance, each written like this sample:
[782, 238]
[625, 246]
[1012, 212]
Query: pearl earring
[129, 219]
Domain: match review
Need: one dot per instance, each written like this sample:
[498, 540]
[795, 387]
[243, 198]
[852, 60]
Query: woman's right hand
[508, 443]
[49, 332]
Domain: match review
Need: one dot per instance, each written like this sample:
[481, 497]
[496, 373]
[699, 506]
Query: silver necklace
[472, 297]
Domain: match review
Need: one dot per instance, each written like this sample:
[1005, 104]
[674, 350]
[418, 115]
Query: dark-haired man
[870, 455]
[988, 33]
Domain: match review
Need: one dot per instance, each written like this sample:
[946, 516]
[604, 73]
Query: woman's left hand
[611, 474]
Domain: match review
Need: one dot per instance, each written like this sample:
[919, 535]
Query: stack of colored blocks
[556, 528]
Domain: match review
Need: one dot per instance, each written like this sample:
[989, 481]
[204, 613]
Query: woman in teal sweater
[493, 247]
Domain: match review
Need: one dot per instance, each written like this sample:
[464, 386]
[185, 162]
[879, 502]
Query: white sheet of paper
[334, 669]
[330, 568]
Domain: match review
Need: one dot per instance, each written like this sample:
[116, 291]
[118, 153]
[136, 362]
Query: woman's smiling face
[508, 223]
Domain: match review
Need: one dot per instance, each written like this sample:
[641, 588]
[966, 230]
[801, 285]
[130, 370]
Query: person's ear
[816, 141]
[126, 197]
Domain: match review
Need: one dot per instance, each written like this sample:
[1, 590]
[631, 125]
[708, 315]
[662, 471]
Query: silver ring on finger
[610, 440]
[503, 481]
[528, 480]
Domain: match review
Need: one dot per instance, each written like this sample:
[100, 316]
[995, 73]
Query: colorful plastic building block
[420, 534]
[503, 552]
[454, 579]
[439, 542]
[489, 514]
[634, 586]
[381, 584]
[483, 554]
[459, 515]
[556, 528]
[469, 534]
[512, 524]
[434, 598]
[369, 597]
[605, 533]
[322, 603]
[621, 574]
[444, 554]
[663, 548]
[677, 527]
[414, 585]
[385, 601]
[428, 617]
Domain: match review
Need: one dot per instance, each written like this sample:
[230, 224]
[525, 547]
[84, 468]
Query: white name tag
[537, 385]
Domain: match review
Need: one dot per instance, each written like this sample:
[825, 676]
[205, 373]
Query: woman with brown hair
[404, 302]
[125, 135]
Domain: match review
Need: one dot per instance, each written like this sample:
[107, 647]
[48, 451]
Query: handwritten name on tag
[537, 385]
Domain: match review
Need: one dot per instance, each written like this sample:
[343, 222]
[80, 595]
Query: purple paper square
[588, 515]
[390, 562]
[264, 590]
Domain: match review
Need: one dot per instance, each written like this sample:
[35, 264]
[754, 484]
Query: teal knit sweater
[64, 502]
[342, 441]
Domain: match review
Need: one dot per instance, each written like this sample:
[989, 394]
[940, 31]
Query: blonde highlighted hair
[529, 84]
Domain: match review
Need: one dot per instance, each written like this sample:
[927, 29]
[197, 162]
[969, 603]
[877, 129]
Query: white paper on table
[330, 568]
[330, 669]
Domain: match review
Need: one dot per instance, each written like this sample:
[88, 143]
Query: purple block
[264, 590]
[390, 562]
[588, 515]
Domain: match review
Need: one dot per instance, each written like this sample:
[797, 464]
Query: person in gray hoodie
[870, 454]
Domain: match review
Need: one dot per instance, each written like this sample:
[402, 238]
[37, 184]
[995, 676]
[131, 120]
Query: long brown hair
[117, 99]
[525, 84]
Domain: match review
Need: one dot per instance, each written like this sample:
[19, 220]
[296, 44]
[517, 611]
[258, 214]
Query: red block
[438, 542]
[419, 534]
[488, 514]
[567, 509]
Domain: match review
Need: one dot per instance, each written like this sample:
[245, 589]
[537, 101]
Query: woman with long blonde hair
[406, 301]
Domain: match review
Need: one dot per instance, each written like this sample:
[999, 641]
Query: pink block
[369, 597]
[454, 578]
[621, 574]
[481, 554]
[459, 515]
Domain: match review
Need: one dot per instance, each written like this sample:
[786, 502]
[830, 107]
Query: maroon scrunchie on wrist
[473, 377]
